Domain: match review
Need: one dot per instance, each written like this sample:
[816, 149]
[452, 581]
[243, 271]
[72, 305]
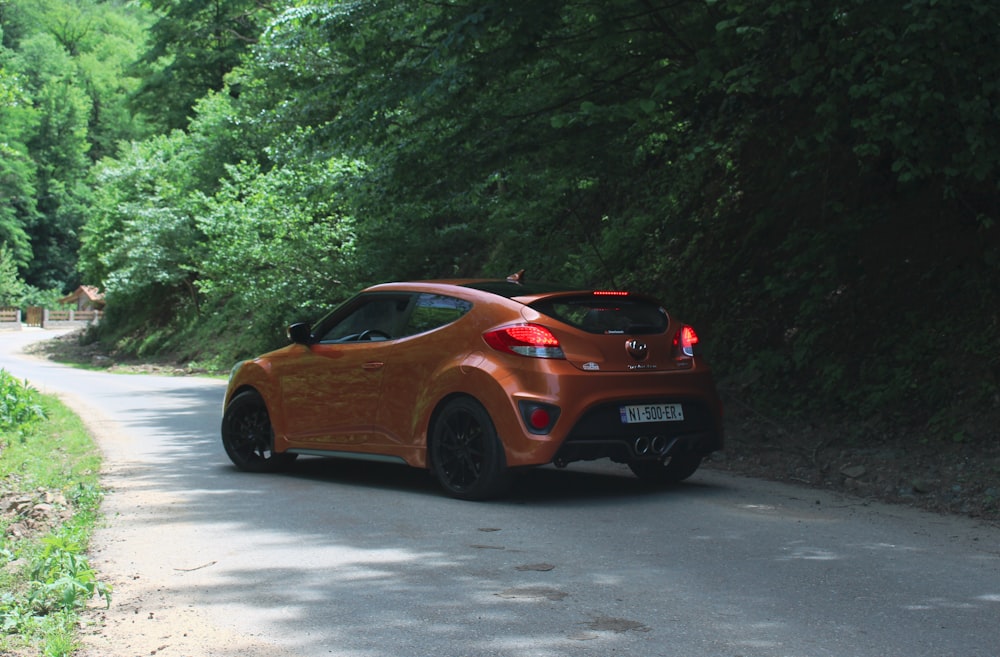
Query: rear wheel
[466, 454]
[669, 471]
[248, 437]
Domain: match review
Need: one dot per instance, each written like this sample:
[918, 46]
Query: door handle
[373, 365]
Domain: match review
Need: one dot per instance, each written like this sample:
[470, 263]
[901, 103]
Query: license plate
[639, 413]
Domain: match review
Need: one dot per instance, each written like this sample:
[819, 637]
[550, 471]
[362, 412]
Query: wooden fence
[11, 318]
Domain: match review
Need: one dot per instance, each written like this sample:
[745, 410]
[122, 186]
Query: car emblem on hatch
[636, 349]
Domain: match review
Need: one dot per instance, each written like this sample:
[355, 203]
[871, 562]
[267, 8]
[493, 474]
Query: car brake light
[686, 340]
[610, 293]
[525, 340]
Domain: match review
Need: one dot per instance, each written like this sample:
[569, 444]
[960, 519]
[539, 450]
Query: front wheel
[671, 471]
[466, 454]
[248, 437]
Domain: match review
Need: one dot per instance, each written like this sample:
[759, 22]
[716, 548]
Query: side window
[378, 317]
[434, 310]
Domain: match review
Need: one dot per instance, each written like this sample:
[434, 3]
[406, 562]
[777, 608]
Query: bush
[19, 404]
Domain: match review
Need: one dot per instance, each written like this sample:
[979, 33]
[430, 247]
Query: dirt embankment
[958, 478]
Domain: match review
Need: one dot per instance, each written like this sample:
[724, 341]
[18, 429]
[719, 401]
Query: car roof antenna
[516, 278]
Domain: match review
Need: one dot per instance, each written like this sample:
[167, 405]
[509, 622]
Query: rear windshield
[609, 315]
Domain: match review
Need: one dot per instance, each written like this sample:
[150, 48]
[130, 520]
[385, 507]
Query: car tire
[466, 454]
[670, 471]
[248, 436]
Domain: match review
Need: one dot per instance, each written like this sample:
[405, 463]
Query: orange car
[472, 379]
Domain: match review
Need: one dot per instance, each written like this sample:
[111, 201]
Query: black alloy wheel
[248, 436]
[466, 454]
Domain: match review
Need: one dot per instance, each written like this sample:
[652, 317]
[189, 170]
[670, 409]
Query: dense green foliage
[11, 286]
[813, 185]
[63, 105]
[193, 45]
[19, 407]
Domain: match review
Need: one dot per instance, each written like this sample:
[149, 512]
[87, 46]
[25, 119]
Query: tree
[140, 238]
[193, 45]
[58, 146]
[279, 247]
[64, 106]
[862, 183]
[11, 286]
[104, 73]
[17, 170]
[485, 126]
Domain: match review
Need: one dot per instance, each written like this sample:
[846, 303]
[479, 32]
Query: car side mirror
[300, 333]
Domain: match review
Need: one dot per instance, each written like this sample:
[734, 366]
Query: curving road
[367, 560]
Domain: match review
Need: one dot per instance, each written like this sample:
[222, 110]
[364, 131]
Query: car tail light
[525, 340]
[686, 341]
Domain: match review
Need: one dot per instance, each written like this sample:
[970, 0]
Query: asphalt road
[369, 560]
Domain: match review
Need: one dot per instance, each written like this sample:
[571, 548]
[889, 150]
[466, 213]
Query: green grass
[49, 468]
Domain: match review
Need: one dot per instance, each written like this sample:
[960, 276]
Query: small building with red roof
[86, 297]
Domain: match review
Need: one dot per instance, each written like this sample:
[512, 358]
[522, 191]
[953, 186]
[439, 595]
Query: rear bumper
[590, 422]
[601, 434]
